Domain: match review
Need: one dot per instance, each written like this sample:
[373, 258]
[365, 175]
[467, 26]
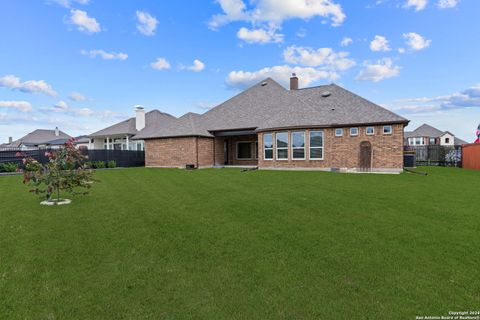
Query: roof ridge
[244, 92]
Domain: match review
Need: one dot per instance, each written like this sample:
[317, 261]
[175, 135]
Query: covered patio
[236, 148]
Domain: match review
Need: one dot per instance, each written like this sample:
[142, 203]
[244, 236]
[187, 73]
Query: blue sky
[83, 64]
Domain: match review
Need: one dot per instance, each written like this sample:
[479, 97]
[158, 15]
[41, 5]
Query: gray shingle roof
[38, 137]
[459, 142]
[424, 130]
[189, 124]
[125, 127]
[268, 105]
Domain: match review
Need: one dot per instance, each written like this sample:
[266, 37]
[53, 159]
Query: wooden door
[365, 156]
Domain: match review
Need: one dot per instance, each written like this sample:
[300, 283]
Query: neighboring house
[40, 138]
[428, 135]
[119, 136]
[82, 142]
[324, 127]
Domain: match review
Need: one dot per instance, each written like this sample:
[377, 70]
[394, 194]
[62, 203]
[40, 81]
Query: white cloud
[325, 57]
[401, 50]
[105, 55]
[146, 23]
[272, 13]
[307, 75]
[259, 36]
[75, 96]
[61, 105]
[30, 86]
[447, 4]
[23, 106]
[84, 22]
[415, 108]
[416, 41]
[418, 5]
[464, 99]
[346, 41]
[197, 66]
[160, 64]
[380, 43]
[381, 70]
[69, 3]
[83, 112]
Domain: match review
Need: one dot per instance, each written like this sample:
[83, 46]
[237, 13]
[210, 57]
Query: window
[268, 146]
[316, 145]
[387, 130]
[338, 132]
[370, 131]
[418, 141]
[432, 141]
[244, 150]
[354, 131]
[282, 145]
[447, 140]
[298, 145]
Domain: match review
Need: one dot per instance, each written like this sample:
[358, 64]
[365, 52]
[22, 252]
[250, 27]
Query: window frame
[282, 148]
[387, 133]
[339, 135]
[251, 151]
[265, 148]
[301, 148]
[370, 134]
[310, 145]
[354, 135]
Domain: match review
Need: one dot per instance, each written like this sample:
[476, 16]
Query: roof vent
[326, 94]
[264, 83]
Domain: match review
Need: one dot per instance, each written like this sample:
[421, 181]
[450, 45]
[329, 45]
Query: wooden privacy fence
[123, 158]
[433, 155]
[471, 156]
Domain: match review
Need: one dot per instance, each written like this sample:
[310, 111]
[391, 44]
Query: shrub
[111, 164]
[64, 171]
[99, 164]
[8, 167]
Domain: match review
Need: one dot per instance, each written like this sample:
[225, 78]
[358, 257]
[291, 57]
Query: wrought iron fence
[123, 158]
[435, 155]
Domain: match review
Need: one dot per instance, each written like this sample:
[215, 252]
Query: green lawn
[221, 244]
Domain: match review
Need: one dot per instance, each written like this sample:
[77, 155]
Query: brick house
[322, 128]
[426, 135]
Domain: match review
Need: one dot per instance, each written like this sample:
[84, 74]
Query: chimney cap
[139, 107]
[294, 75]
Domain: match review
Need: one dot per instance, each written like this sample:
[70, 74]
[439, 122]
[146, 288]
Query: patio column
[108, 143]
[127, 143]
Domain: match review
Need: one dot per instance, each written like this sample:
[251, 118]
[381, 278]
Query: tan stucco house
[322, 128]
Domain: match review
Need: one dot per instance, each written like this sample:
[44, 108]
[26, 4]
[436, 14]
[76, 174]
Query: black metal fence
[433, 155]
[123, 158]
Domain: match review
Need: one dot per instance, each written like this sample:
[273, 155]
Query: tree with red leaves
[65, 171]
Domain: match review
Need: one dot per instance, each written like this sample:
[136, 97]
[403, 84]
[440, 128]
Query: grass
[221, 244]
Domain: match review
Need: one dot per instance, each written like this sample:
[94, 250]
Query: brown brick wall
[177, 152]
[232, 150]
[343, 152]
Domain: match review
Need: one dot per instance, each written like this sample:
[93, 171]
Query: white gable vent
[264, 83]
[326, 94]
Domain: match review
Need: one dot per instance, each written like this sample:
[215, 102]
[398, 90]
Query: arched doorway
[365, 162]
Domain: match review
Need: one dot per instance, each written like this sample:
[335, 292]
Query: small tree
[64, 171]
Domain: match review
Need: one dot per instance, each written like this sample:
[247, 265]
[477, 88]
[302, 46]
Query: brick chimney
[294, 82]
[139, 118]
[57, 132]
[10, 139]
